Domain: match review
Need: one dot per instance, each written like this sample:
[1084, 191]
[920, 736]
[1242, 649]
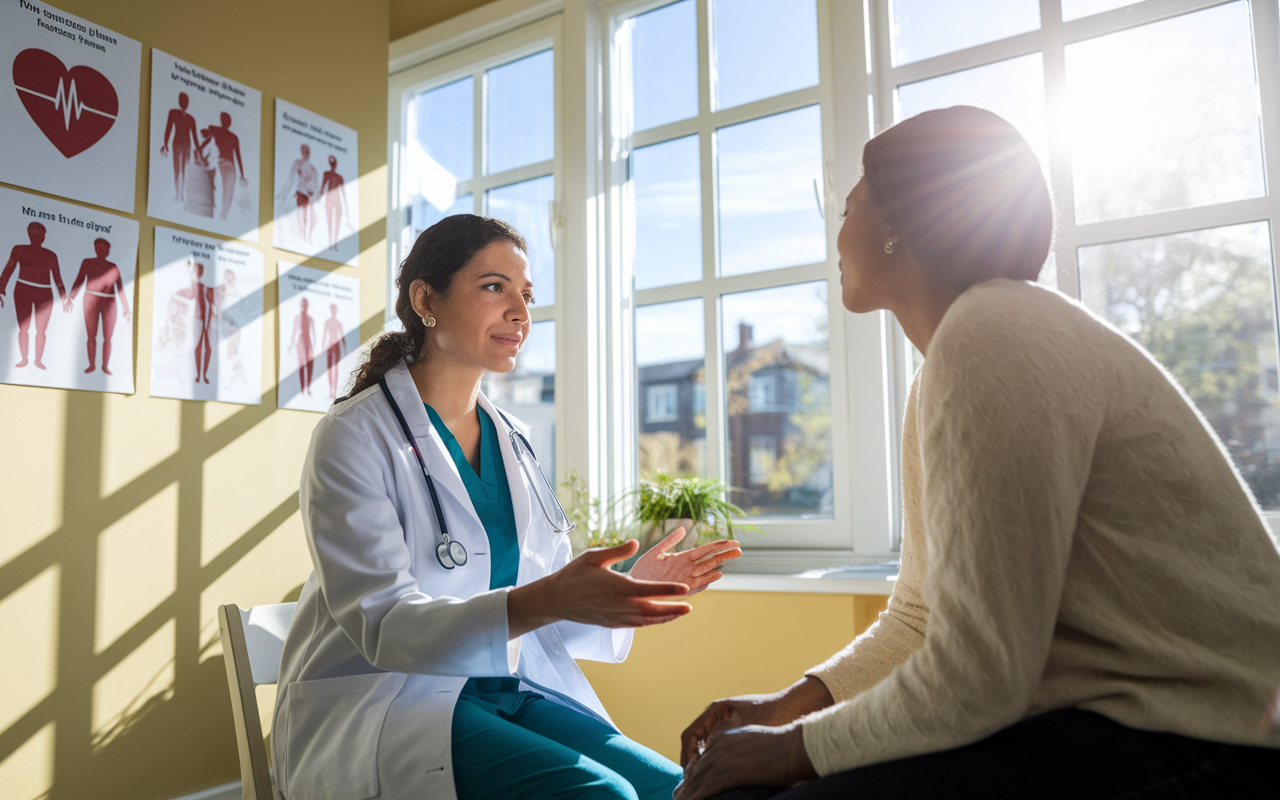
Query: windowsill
[802, 584]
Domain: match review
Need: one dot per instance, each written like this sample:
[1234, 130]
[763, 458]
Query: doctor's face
[483, 320]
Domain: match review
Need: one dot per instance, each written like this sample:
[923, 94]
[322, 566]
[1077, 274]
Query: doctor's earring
[428, 321]
[888, 248]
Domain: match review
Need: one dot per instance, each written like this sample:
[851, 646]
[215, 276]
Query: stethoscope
[451, 553]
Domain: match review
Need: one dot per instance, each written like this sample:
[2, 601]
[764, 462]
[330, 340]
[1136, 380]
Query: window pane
[1165, 115]
[1201, 302]
[1014, 89]
[664, 65]
[668, 213]
[422, 215]
[769, 173]
[528, 392]
[778, 414]
[762, 48]
[927, 28]
[527, 206]
[438, 155]
[1075, 9]
[521, 113]
[443, 129]
[671, 388]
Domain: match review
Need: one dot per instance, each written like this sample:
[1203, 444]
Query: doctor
[432, 651]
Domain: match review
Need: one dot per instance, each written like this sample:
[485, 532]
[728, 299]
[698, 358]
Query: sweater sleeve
[899, 631]
[1008, 421]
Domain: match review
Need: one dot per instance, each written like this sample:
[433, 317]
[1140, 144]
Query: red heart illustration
[74, 107]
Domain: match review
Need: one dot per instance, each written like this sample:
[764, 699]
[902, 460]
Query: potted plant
[664, 502]
[660, 504]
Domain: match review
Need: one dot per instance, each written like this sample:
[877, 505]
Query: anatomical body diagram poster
[69, 118]
[317, 203]
[206, 324]
[66, 295]
[319, 336]
[204, 149]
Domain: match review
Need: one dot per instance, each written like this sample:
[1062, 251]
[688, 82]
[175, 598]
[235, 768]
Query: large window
[478, 136]
[725, 238]
[678, 166]
[1149, 122]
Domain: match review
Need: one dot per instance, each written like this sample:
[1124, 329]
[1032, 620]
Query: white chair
[252, 642]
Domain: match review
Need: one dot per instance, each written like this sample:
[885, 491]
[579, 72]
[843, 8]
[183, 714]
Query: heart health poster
[69, 117]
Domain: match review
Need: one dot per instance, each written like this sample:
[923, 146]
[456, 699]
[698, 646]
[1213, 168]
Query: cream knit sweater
[1074, 536]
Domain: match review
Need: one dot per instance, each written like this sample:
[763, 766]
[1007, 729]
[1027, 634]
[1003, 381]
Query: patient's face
[866, 271]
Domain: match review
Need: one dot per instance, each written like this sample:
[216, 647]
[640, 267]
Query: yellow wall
[126, 520]
[411, 16]
[733, 643]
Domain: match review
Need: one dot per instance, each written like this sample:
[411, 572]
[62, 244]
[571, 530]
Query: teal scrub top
[491, 496]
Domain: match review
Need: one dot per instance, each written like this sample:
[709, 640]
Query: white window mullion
[1060, 180]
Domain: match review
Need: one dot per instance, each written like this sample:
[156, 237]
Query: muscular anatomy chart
[317, 208]
[66, 295]
[69, 120]
[204, 149]
[319, 334]
[206, 329]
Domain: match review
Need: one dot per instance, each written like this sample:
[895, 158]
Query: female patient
[432, 651]
[1089, 601]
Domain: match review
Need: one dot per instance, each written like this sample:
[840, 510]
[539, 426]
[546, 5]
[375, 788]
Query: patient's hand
[752, 756]
[780, 708]
[696, 568]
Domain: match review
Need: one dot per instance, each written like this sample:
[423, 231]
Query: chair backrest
[252, 642]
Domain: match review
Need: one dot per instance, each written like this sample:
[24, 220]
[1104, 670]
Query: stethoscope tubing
[451, 553]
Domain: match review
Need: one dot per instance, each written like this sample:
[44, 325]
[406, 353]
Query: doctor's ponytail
[440, 252]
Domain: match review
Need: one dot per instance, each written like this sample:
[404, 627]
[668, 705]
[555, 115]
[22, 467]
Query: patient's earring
[888, 248]
[428, 321]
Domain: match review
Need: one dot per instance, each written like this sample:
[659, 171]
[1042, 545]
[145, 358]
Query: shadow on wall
[140, 710]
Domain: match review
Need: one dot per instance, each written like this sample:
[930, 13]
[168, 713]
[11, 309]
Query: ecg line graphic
[68, 103]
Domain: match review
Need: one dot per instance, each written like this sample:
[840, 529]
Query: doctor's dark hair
[440, 252]
[963, 192]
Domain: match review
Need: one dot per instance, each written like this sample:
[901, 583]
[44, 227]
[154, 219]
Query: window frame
[865, 518]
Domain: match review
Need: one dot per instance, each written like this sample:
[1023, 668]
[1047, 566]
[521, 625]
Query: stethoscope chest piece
[451, 554]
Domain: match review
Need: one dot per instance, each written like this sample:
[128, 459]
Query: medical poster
[317, 205]
[66, 295]
[69, 121]
[204, 149]
[319, 336]
[206, 321]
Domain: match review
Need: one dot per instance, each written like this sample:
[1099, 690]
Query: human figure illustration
[183, 127]
[335, 200]
[102, 287]
[227, 295]
[229, 159]
[303, 346]
[203, 297]
[33, 292]
[304, 175]
[335, 345]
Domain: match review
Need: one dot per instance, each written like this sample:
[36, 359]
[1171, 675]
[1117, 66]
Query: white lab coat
[384, 638]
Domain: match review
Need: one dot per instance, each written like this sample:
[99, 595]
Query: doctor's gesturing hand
[585, 590]
[697, 567]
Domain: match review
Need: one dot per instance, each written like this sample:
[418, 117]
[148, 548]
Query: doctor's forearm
[529, 607]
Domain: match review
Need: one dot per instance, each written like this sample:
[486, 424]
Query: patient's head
[962, 192]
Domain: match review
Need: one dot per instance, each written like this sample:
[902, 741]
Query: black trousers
[1069, 754]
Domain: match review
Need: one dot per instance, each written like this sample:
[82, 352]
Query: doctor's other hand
[752, 756]
[585, 590]
[805, 696]
[697, 567]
